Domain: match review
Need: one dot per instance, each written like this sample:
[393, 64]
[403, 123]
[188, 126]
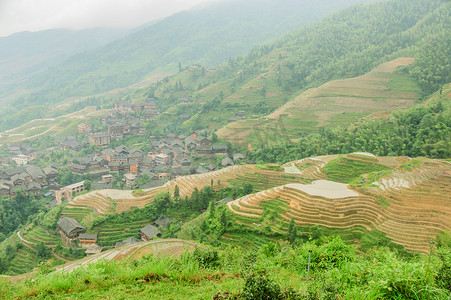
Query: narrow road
[24, 240]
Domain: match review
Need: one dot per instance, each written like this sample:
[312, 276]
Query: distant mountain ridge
[208, 35]
[25, 53]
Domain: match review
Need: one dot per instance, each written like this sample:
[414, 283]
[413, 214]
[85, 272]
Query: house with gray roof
[69, 228]
[237, 157]
[212, 167]
[50, 171]
[225, 162]
[148, 232]
[204, 150]
[87, 239]
[201, 170]
[128, 241]
[220, 149]
[36, 174]
[34, 188]
[4, 189]
[163, 221]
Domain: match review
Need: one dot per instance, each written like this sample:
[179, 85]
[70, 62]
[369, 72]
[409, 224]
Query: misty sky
[36, 15]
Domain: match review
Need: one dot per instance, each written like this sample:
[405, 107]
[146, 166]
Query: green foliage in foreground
[275, 271]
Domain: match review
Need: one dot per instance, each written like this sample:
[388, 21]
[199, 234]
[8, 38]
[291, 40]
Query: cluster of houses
[168, 157]
[71, 230]
[31, 179]
[20, 155]
[121, 121]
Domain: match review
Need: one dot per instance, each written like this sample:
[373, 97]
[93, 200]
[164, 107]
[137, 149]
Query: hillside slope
[333, 104]
[24, 54]
[209, 34]
[344, 45]
[410, 205]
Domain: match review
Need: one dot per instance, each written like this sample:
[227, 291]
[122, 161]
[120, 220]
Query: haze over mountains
[261, 136]
[208, 35]
[26, 53]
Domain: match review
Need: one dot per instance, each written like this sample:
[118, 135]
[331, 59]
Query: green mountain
[346, 44]
[209, 34]
[27, 53]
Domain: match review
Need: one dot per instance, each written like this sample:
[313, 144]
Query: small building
[201, 170]
[4, 190]
[93, 249]
[148, 232]
[87, 239]
[21, 159]
[107, 178]
[128, 241]
[130, 179]
[47, 194]
[204, 150]
[226, 162]
[34, 188]
[212, 167]
[220, 149]
[83, 127]
[100, 139]
[162, 159]
[69, 228]
[225, 200]
[238, 157]
[67, 192]
[163, 221]
[134, 167]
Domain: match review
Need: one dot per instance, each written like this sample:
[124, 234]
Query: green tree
[9, 252]
[88, 185]
[176, 192]
[42, 251]
[224, 218]
[292, 231]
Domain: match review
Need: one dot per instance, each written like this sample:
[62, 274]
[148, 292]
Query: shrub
[207, 258]
[444, 274]
[260, 286]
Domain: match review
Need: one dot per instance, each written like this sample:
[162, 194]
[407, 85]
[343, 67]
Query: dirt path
[133, 250]
[24, 240]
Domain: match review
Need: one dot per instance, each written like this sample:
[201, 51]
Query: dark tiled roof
[150, 231]
[227, 161]
[69, 224]
[163, 221]
[130, 240]
[87, 236]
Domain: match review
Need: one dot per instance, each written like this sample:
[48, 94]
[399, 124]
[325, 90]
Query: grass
[348, 170]
[402, 81]
[336, 272]
[269, 167]
[110, 234]
[384, 203]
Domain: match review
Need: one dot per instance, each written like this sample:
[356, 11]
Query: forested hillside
[208, 34]
[346, 44]
[423, 130]
[26, 53]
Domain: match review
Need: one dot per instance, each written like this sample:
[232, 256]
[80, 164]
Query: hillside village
[314, 166]
[167, 157]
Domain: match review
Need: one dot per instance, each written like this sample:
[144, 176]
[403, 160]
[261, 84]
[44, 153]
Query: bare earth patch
[326, 189]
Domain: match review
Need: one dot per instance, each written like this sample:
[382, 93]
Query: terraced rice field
[109, 234]
[38, 234]
[134, 251]
[418, 202]
[335, 103]
[409, 200]
[85, 207]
